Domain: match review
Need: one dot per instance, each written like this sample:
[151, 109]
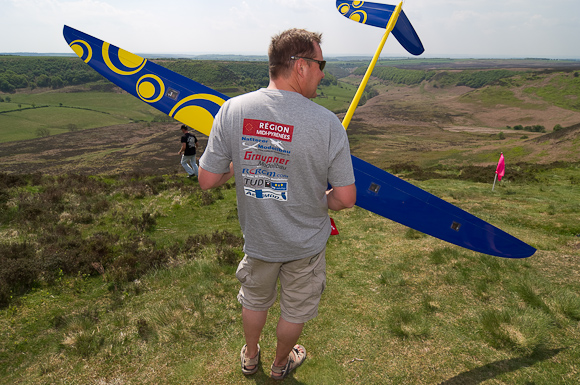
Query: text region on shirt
[252, 172]
[267, 129]
[273, 145]
[266, 159]
[265, 194]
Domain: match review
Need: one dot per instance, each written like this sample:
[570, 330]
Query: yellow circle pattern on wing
[359, 16]
[132, 62]
[196, 116]
[82, 49]
[150, 88]
[343, 8]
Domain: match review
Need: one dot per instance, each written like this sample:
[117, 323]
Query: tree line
[17, 72]
[21, 72]
[218, 74]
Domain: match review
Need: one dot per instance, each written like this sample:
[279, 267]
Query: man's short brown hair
[293, 42]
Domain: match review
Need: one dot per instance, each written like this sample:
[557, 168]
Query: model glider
[377, 191]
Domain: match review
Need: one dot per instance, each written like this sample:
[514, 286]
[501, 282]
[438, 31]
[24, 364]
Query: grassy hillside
[117, 269]
[130, 279]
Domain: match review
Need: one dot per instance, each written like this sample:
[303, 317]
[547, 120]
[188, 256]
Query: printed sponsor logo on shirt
[279, 186]
[265, 183]
[250, 143]
[254, 172]
[266, 159]
[267, 129]
[265, 194]
[271, 165]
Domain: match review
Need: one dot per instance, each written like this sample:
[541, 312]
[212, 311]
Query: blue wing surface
[391, 197]
[378, 15]
[377, 191]
[181, 98]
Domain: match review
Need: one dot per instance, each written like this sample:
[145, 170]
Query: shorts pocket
[319, 279]
[244, 272]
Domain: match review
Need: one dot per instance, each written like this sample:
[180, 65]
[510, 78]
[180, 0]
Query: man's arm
[209, 180]
[182, 149]
[341, 197]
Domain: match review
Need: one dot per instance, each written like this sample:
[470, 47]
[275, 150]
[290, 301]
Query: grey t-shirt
[285, 149]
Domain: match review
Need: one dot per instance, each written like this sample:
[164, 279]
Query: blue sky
[447, 28]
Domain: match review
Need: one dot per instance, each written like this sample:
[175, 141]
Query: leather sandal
[249, 361]
[295, 359]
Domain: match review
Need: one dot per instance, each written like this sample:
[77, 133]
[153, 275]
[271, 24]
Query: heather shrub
[18, 270]
[80, 226]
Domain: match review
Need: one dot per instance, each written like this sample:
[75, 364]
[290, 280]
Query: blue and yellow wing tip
[175, 95]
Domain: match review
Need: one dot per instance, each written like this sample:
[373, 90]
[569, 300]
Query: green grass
[493, 96]
[336, 98]
[23, 125]
[184, 212]
[55, 111]
[563, 90]
[400, 307]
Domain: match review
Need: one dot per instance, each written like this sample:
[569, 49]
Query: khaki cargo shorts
[301, 285]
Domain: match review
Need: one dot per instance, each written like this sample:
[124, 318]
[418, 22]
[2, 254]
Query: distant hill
[423, 111]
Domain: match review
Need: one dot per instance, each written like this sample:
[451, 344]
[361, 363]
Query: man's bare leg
[254, 322]
[288, 334]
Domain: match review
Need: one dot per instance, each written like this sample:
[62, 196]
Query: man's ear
[300, 69]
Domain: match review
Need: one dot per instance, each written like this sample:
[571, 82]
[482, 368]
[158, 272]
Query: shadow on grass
[494, 369]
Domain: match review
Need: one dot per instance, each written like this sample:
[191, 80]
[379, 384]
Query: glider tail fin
[390, 25]
[378, 15]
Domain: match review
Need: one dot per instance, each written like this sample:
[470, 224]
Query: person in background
[187, 152]
[284, 151]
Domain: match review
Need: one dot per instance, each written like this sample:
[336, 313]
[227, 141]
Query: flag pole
[390, 25]
[494, 179]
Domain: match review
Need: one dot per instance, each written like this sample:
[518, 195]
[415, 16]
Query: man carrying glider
[284, 150]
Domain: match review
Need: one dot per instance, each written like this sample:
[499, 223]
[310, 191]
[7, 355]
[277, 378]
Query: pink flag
[500, 170]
